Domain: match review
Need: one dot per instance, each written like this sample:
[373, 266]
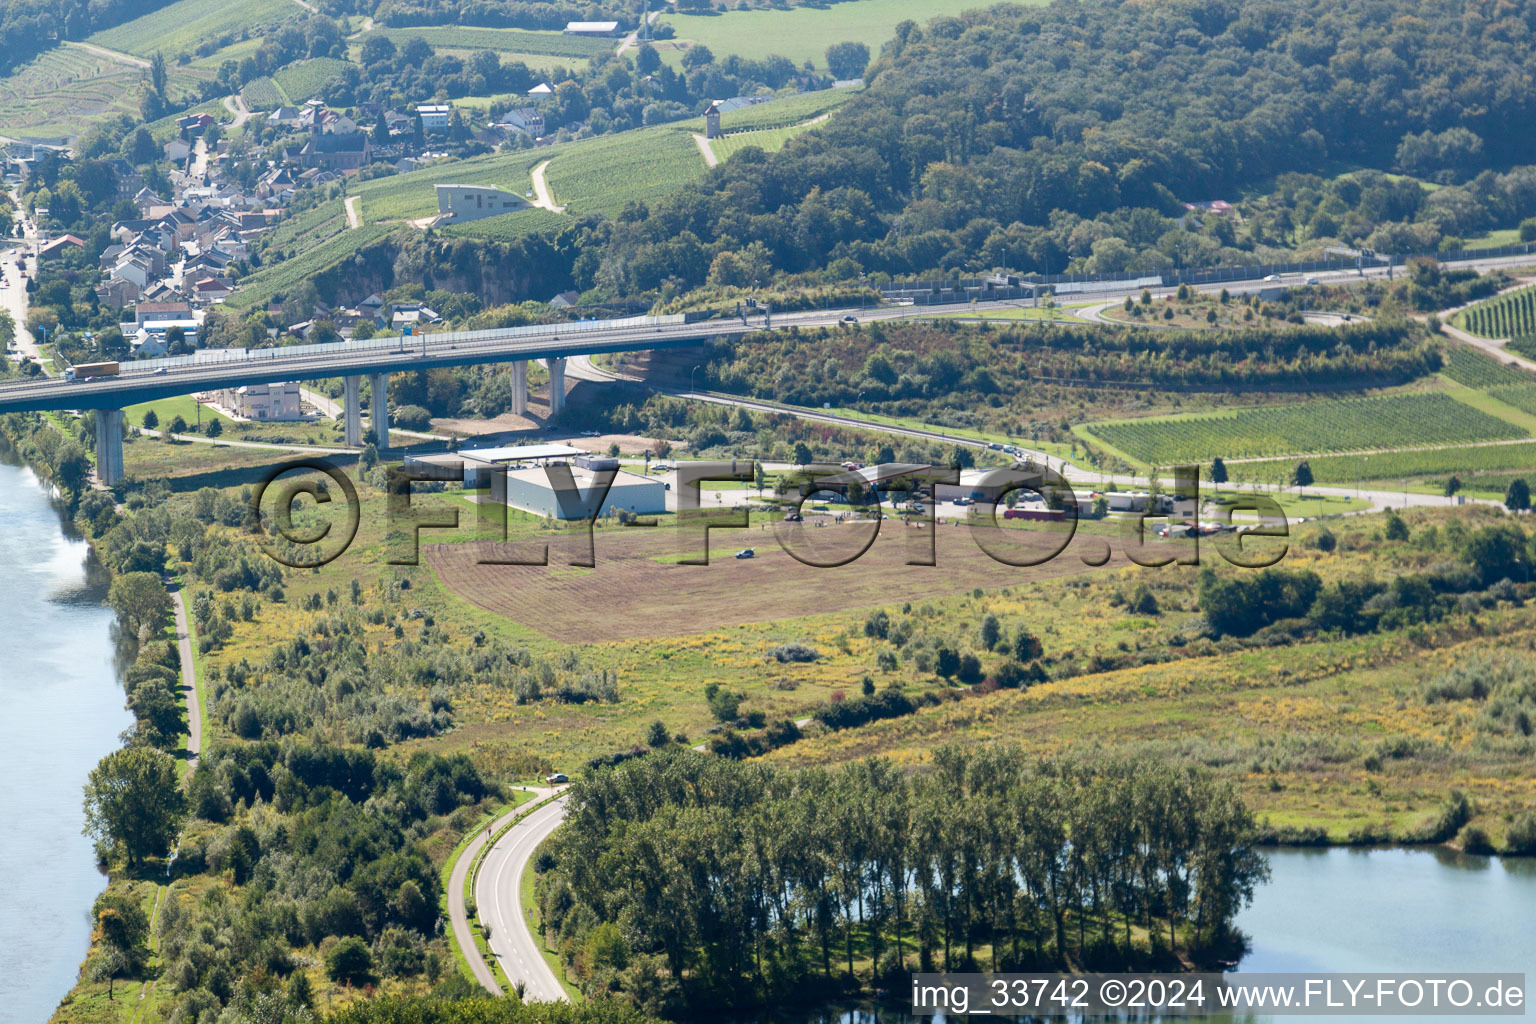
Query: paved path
[304, 448]
[236, 105]
[632, 40]
[498, 895]
[188, 680]
[706, 150]
[543, 198]
[326, 405]
[1490, 346]
[121, 58]
[353, 220]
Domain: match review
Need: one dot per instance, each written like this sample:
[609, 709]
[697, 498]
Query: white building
[479, 465]
[265, 401]
[434, 116]
[472, 202]
[533, 490]
[591, 28]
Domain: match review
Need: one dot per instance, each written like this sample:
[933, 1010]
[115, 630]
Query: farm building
[472, 202]
[591, 28]
[533, 490]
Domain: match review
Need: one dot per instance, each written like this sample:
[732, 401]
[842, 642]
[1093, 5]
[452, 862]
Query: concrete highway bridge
[213, 369]
[551, 344]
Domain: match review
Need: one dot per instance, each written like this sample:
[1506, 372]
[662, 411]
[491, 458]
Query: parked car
[746, 553]
[793, 517]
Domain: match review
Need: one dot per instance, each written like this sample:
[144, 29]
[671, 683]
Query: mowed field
[463, 38]
[638, 589]
[65, 90]
[802, 33]
[769, 140]
[179, 28]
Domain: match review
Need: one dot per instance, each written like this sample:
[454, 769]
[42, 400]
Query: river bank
[64, 711]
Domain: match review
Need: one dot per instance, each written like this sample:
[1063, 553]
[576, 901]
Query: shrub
[349, 962]
[412, 417]
[1475, 840]
[1521, 836]
[796, 652]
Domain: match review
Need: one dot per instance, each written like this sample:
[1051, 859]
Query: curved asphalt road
[499, 899]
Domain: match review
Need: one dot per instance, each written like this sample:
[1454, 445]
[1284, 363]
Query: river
[63, 710]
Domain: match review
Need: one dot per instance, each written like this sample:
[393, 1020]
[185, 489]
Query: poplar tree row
[706, 877]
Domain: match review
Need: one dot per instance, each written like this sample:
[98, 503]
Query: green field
[1521, 396]
[1337, 425]
[1347, 469]
[67, 89]
[256, 289]
[769, 140]
[786, 111]
[262, 94]
[409, 196]
[502, 40]
[601, 175]
[180, 27]
[802, 33]
[234, 51]
[167, 409]
[311, 227]
[1476, 370]
[509, 226]
[303, 79]
[1510, 315]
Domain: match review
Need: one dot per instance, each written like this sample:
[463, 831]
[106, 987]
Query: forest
[681, 879]
[1035, 138]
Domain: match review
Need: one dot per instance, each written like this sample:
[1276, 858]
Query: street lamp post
[690, 378]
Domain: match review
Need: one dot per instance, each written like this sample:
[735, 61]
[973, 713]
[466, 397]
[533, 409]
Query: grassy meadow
[800, 33]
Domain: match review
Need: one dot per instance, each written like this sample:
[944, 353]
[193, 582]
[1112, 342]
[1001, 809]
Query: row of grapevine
[1521, 396]
[1509, 459]
[1503, 316]
[305, 78]
[262, 94]
[1475, 370]
[1337, 425]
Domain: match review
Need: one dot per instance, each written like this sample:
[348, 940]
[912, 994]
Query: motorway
[150, 379]
[147, 380]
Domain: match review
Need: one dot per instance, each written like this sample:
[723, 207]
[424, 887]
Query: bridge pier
[379, 384]
[109, 447]
[556, 386]
[520, 388]
[352, 413]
